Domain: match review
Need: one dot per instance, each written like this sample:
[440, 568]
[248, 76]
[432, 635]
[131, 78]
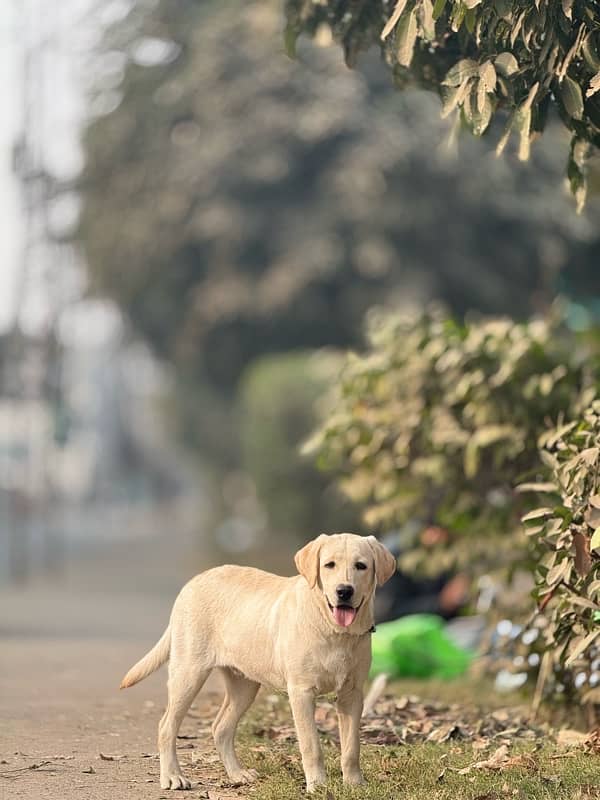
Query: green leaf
[595, 540]
[558, 572]
[504, 140]
[572, 98]
[393, 20]
[581, 647]
[407, 38]
[482, 118]
[506, 64]
[594, 85]
[537, 513]
[567, 7]
[438, 8]
[526, 106]
[583, 602]
[542, 488]
[457, 17]
[463, 70]
[487, 75]
[427, 20]
[454, 97]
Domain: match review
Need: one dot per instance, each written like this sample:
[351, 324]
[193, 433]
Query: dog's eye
[329, 565]
[360, 565]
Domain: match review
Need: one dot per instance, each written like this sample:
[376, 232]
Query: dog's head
[344, 569]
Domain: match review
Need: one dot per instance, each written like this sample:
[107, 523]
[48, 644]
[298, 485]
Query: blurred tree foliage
[277, 400]
[437, 421]
[236, 203]
[479, 56]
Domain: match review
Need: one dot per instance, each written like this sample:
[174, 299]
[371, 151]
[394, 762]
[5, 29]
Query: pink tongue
[344, 616]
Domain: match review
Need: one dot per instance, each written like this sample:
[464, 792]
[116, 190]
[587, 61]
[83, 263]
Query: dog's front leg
[349, 709]
[302, 702]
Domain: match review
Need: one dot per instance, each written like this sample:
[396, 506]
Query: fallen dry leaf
[570, 738]
[592, 743]
[443, 733]
[497, 760]
[524, 760]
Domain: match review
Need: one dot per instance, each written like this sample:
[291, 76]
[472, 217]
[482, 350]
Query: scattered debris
[89, 770]
[13, 773]
[407, 720]
[500, 760]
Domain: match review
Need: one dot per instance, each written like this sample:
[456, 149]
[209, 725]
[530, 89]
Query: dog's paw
[242, 776]
[312, 784]
[354, 779]
[175, 780]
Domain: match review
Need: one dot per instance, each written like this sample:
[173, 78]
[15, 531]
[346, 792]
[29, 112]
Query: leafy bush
[567, 533]
[276, 412]
[439, 420]
[480, 57]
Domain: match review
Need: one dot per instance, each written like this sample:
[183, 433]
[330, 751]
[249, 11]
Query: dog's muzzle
[344, 614]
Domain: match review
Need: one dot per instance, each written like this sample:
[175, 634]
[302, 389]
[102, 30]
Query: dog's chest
[334, 665]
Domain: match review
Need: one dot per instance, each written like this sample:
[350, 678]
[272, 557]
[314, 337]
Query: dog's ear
[307, 560]
[385, 563]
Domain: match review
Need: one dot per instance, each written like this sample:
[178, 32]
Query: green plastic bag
[417, 646]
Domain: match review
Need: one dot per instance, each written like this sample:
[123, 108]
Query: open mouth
[344, 615]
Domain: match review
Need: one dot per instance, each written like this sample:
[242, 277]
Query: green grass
[424, 771]
[413, 773]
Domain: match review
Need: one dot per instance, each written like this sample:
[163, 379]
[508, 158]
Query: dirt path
[64, 647]
[61, 710]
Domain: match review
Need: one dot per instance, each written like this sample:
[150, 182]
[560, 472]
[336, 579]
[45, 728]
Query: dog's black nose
[344, 592]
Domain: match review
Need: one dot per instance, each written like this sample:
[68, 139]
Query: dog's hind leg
[183, 686]
[239, 696]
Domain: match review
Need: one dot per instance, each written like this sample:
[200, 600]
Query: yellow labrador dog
[307, 635]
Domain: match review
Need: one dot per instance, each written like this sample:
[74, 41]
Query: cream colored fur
[258, 628]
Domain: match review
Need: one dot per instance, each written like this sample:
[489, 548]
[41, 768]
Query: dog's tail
[150, 662]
